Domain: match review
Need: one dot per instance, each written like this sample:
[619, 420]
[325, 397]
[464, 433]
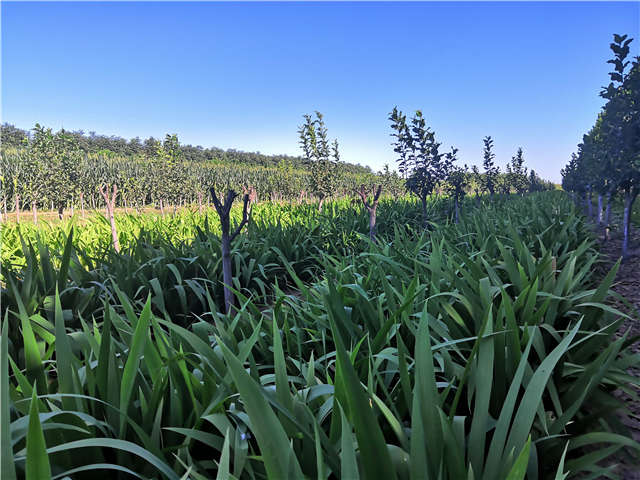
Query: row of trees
[424, 169]
[50, 170]
[427, 169]
[607, 163]
[92, 143]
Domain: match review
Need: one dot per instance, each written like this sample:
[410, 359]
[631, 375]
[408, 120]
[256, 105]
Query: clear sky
[241, 75]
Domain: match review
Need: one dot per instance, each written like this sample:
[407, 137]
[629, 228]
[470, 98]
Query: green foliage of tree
[517, 173]
[457, 184]
[392, 183]
[59, 169]
[419, 158]
[10, 136]
[608, 159]
[323, 157]
[491, 170]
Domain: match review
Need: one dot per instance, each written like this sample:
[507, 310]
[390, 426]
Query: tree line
[57, 171]
[607, 162]
[92, 143]
[50, 170]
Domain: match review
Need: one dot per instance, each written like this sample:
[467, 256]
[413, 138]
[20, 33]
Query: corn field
[482, 349]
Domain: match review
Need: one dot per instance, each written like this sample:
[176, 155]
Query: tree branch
[363, 196]
[114, 195]
[377, 195]
[246, 212]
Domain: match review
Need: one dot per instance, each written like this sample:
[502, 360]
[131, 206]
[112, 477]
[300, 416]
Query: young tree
[491, 170]
[478, 182]
[517, 173]
[110, 195]
[457, 183]
[322, 157]
[371, 206]
[419, 161]
[223, 207]
[58, 158]
[169, 157]
[391, 182]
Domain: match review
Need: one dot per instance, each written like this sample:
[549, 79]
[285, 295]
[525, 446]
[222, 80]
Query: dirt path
[627, 284]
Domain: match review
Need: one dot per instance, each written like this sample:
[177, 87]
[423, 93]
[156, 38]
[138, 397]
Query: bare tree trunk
[161, 208]
[224, 212]
[82, 204]
[4, 206]
[17, 208]
[607, 216]
[320, 204]
[110, 206]
[599, 209]
[72, 202]
[629, 199]
[200, 202]
[61, 212]
[34, 210]
[371, 207]
[126, 205]
[589, 204]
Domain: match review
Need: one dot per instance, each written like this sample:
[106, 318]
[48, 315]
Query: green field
[483, 349]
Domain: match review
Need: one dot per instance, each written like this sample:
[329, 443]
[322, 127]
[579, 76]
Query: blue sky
[241, 75]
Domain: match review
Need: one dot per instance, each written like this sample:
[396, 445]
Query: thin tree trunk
[607, 216]
[161, 208]
[227, 274]
[61, 212]
[200, 202]
[82, 204]
[372, 223]
[320, 203]
[17, 208]
[34, 210]
[589, 205]
[372, 208]
[72, 210]
[626, 221]
[4, 206]
[600, 212]
[109, 207]
[224, 211]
